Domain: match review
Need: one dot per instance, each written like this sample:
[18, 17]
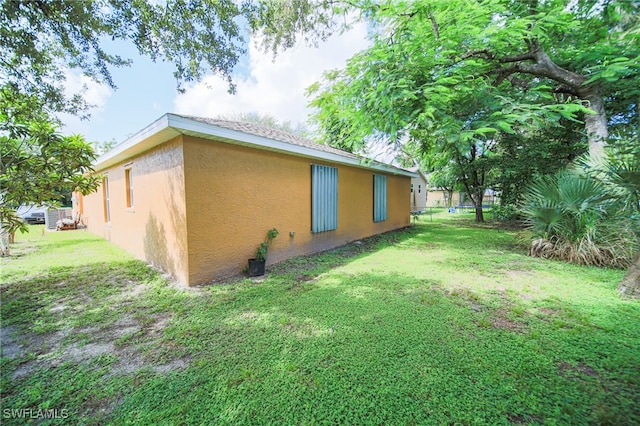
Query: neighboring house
[196, 196]
[419, 194]
[438, 198]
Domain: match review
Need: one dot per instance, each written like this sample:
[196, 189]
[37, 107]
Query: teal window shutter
[324, 198]
[379, 198]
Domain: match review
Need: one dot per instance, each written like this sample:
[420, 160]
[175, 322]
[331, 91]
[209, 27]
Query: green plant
[576, 218]
[261, 253]
[504, 213]
[370, 333]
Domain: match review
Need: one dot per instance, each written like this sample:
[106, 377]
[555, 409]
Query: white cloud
[273, 87]
[93, 93]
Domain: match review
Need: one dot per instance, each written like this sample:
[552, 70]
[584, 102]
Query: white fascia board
[169, 126]
[211, 131]
[154, 134]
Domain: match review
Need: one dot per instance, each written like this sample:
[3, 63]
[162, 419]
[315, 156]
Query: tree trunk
[4, 241]
[477, 199]
[596, 124]
[479, 213]
[569, 83]
[630, 284]
[448, 197]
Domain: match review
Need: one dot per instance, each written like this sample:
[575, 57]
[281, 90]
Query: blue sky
[147, 90]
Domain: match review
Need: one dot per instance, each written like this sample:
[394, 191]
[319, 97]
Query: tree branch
[482, 53]
[528, 56]
[519, 82]
[543, 67]
[434, 25]
[567, 90]
[503, 73]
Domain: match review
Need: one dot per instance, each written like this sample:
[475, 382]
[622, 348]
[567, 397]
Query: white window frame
[128, 181]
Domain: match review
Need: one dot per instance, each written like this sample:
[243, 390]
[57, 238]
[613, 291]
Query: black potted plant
[256, 265]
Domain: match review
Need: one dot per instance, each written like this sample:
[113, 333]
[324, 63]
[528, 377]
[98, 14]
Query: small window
[128, 179]
[412, 188]
[324, 198]
[419, 189]
[379, 198]
[105, 199]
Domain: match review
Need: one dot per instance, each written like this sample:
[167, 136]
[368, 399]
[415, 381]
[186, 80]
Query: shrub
[576, 217]
[261, 252]
[504, 213]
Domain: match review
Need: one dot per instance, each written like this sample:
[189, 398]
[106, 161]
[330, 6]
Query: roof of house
[259, 129]
[249, 134]
[419, 173]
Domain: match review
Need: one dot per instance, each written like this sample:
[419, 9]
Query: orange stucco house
[195, 196]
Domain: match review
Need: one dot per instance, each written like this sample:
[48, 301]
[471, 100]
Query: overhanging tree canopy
[540, 61]
[37, 163]
[42, 40]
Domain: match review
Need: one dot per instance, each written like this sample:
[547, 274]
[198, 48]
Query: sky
[265, 85]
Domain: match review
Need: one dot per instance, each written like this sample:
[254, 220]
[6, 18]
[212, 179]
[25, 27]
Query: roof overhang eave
[170, 126]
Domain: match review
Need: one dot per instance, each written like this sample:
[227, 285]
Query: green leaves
[471, 70]
[42, 40]
[580, 218]
[263, 248]
[38, 165]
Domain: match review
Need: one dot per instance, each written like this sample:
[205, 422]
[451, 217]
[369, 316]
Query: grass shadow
[354, 335]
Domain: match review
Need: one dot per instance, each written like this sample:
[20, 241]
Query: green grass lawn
[441, 323]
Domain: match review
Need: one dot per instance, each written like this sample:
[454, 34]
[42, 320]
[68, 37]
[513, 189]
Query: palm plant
[622, 171]
[576, 217]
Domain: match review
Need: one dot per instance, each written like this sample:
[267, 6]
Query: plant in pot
[256, 265]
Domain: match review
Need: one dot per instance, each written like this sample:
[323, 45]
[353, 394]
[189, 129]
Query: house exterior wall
[436, 198]
[418, 194]
[234, 195]
[154, 228]
[202, 207]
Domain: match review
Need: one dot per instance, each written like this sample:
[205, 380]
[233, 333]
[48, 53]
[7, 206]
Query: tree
[464, 73]
[445, 178]
[37, 164]
[427, 51]
[465, 163]
[594, 46]
[42, 41]
[528, 153]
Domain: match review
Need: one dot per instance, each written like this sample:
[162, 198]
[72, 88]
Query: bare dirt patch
[503, 322]
[127, 340]
[581, 369]
[549, 312]
[8, 346]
